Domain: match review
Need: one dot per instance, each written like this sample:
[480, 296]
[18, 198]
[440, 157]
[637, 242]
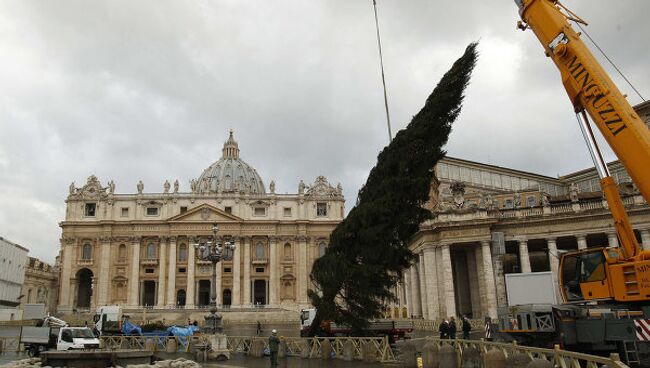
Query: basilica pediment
[205, 213]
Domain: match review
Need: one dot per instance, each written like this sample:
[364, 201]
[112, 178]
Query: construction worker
[274, 345]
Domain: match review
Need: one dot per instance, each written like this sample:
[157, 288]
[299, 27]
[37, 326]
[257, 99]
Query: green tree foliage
[368, 249]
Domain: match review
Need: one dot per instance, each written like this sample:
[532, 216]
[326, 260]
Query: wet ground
[248, 362]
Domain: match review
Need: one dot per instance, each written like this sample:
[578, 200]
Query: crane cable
[609, 60]
[383, 78]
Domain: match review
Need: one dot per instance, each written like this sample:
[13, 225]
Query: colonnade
[434, 287]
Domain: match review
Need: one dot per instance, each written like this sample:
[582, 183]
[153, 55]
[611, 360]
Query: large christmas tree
[369, 249]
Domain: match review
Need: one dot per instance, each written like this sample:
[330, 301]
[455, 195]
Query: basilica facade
[138, 249]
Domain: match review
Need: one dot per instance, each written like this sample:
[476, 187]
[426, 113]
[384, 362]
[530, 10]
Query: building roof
[14, 244]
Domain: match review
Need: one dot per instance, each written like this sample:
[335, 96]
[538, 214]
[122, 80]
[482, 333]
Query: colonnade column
[524, 258]
[582, 241]
[171, 273]
[489, 279]
[134, 280]
[64, 299]
[431, 283]
[236, 273]
[554, 262]
[406, 276]
[247, 272]
[422, 277]
[416, 307]
[191, 265]
[162, 265]
[448, 283]
[645, 239]
[104, 270]
[303, 278]
[612, 239]
[273, 271]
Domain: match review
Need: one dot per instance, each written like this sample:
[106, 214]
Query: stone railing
[477, 352]
[536, 211]
[370, 349]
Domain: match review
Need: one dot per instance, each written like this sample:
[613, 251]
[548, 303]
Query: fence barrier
[295, 346]
[560, 358]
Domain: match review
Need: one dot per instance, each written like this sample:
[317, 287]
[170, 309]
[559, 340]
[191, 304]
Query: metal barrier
[295, 346]
[10, 344]
[560, 358]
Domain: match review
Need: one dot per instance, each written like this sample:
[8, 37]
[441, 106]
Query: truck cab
[74, 338]
[108, 320]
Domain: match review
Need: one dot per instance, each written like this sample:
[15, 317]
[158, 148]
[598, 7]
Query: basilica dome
[230, 174]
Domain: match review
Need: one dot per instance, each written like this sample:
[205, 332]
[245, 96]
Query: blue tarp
[129, 328]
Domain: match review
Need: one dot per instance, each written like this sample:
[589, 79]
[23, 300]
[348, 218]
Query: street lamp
[213, 251]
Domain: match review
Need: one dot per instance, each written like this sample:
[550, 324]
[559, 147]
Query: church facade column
[645, 239]
[236, 273]
[422, 276]
[612, 239]
[68, 246]
[273, 271]
[191, 269]
[247, 272]
[582, 241]
[134, 279]
[162, 267]
[431, 284]
[524, 258]
[171, 273]
[104, 261]
[448, 282]
[416, 306]
[303, 277]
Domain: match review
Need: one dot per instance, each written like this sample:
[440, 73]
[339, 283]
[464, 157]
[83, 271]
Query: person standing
[467, 328]
[274, 345]
[452, 328]
[444, 329]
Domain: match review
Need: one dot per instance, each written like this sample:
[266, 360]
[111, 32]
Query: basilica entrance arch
[84, 288]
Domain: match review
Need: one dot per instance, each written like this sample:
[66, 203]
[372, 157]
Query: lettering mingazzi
[599, 101]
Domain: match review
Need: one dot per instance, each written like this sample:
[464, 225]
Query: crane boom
[610, 273]
[590, 89]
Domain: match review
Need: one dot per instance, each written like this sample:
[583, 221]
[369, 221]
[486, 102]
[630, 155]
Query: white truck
[56, 334]
[108, 320]
[394, 329]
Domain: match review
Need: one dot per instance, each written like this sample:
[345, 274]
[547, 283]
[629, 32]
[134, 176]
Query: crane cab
[603, 274]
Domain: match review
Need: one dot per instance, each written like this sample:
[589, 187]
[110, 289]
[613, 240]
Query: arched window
[182, 253]
[29, 296]
[227, 183]
[87, 252]
[121, 253]
[321, 248]
[180, 297]
[259, 251]
[287, 251]
[151, 251]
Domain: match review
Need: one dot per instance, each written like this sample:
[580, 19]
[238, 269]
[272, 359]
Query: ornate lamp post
[213, 251]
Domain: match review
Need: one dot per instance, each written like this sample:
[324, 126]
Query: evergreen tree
[369, 249]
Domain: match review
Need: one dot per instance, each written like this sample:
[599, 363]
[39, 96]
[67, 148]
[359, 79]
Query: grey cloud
[148, 90]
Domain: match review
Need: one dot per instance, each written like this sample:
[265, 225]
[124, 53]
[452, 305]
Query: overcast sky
[147, 90]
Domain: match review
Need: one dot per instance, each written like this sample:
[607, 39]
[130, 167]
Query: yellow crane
[620, 273]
